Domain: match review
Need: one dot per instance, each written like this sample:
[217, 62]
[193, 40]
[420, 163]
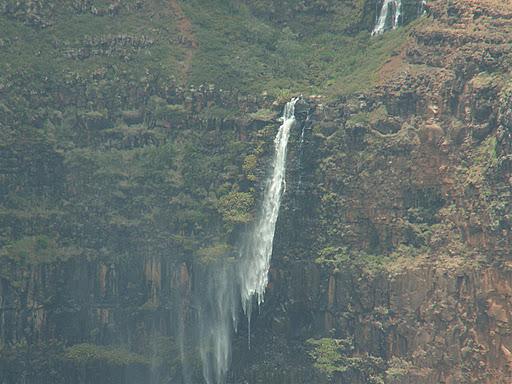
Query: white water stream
[395, 6]
[256, 252]
[228, 285]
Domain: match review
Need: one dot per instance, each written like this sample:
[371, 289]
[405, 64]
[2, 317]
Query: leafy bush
[237, 207]
[397, 369]
[214, 253]
[91, 353]
[336, 356]
[36, 249]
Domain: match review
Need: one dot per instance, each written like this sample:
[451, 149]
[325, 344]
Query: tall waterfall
[381, 25]
[225, 285]
[257, 250]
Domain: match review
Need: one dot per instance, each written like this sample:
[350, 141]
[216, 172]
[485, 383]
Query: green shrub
[397, 369]
[90, 353]
[214, 253]
[36, 249]
[336, 356]
[237, 207]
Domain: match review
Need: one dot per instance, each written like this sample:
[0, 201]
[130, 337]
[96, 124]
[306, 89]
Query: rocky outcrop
[449, 323]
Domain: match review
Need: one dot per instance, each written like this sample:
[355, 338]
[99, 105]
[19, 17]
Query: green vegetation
[336, 357]
[215, 253]
[332, 357]
[237, 207]
[327, 355]
[319, 47]
[338, 258]
[485, 159]
[265, 115]
[485, 79]
[397, 369]
[249, 166]
[272, 51]
[359, 118]
[90, 353]
[77, 41]
[36, 249]
[32, 360]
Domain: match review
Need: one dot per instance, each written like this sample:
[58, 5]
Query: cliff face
[394, 237]
[81, 301]
[407, 216]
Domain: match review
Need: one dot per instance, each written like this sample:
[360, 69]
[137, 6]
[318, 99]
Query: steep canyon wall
[394, 234]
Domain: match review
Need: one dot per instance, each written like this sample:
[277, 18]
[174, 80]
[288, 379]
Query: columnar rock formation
[393, 238]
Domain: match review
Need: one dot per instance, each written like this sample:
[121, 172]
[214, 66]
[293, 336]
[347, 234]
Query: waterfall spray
[217, 317]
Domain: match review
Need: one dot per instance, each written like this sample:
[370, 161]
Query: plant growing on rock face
[249, 166]
[333, 357]
[397, 369]
[214, 253]
[333, 255]
[359, 118]
[264, 115]
[236, 207]
[90, 353]
[283, 96]
[36, 249]
[32, 361]
[328, 355]
[355, 260]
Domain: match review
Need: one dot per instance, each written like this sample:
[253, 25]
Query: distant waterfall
[225, 285]
[422, 8]
[257, 250]
[382, 24]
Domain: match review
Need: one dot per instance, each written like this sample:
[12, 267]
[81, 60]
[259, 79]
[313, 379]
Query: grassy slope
[45, 49]
[242, 47]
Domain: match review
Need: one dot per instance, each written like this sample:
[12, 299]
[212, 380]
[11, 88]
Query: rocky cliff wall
[394, 233]
[418, 173]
